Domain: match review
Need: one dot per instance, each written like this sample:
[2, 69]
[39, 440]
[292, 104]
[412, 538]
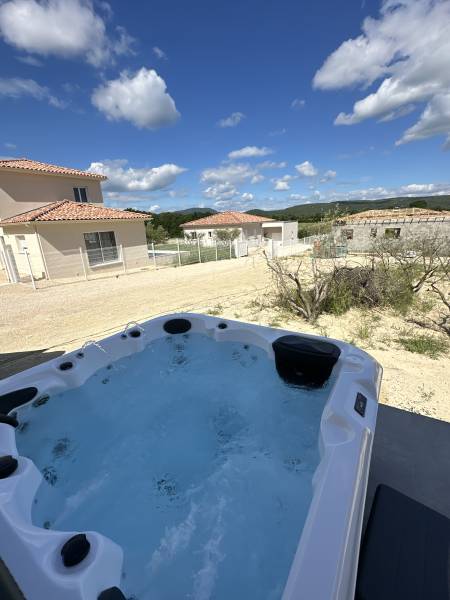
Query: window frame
[77, 194]
[348, 234]
[395, 235]
[373, 232]
[21, 243]
[101, 248]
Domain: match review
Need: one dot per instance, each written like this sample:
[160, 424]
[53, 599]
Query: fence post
[29, 267]
[154, 256]
[123, 258]
[82, 262]
[230, 248]
[179, 255]
[217, 258]
[199, 253]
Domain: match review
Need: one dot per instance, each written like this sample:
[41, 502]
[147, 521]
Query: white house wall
[30, 240]
[290, 231]
[21, 191]
[61, 243]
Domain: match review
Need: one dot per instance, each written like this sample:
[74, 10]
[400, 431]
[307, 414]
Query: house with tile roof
[53, 221]
[361, 230]
[252, 229]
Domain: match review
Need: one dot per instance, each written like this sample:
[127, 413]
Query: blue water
[193, 455]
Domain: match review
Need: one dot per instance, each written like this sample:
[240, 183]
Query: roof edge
[31, 171]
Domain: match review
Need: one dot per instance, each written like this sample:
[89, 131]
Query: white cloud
[328, 176]
[237, 203]
[281, 186]
[122, 178]
[434, 120]
[224, 181]
[10, 145]
[297, 104]
[229, 173]
[30, 60]
[154, 207]
[221, 192]
[124, 42]
[65, 28]
[374, 193]
[408, 47]
[231, 121]
[159, 53]
[269, 164]
[257, 178]
[140, 98]
[307, 169]
[282, 183]
[250, 152]
[17, 87]
[247, 196]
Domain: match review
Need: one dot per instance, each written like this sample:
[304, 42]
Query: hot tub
[188, 457]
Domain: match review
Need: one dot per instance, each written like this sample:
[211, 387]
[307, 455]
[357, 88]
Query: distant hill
[171, 220]
[314, 212]
[199, 211]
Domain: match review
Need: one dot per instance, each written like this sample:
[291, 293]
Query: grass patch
[323, 331]
[216, 310]
[423, 305]
[274, 323]
[424, 344]
[364, 331]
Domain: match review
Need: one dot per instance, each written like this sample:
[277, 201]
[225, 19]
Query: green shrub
[340, 299]
[363, 287]
[424, 344]
[395, 289]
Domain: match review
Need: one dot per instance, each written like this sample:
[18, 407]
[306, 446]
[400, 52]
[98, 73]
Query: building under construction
[361, 230]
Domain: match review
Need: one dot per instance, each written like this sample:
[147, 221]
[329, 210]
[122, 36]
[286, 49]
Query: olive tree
[227, 235]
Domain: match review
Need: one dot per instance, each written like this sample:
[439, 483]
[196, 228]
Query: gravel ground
[60, 318]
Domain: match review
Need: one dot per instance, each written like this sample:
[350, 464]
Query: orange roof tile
[68, 210]
[229, 218]
[26, 164]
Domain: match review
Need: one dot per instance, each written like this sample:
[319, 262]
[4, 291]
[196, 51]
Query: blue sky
[233, 105]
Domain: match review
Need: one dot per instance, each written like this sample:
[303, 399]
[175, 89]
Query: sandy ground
[61, 318]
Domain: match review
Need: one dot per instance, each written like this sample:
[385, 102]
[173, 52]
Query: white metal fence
[59, 266]
[187, 252]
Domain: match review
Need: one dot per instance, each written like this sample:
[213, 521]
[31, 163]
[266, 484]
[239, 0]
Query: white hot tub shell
[325, 564]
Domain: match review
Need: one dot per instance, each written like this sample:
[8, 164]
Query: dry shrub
[302, 293]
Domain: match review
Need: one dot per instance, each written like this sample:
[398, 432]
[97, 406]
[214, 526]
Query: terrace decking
[411, 453]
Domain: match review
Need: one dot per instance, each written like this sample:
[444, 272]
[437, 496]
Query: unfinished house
[360, 230]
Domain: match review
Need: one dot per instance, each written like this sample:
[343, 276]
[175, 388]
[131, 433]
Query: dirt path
[61, 318]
